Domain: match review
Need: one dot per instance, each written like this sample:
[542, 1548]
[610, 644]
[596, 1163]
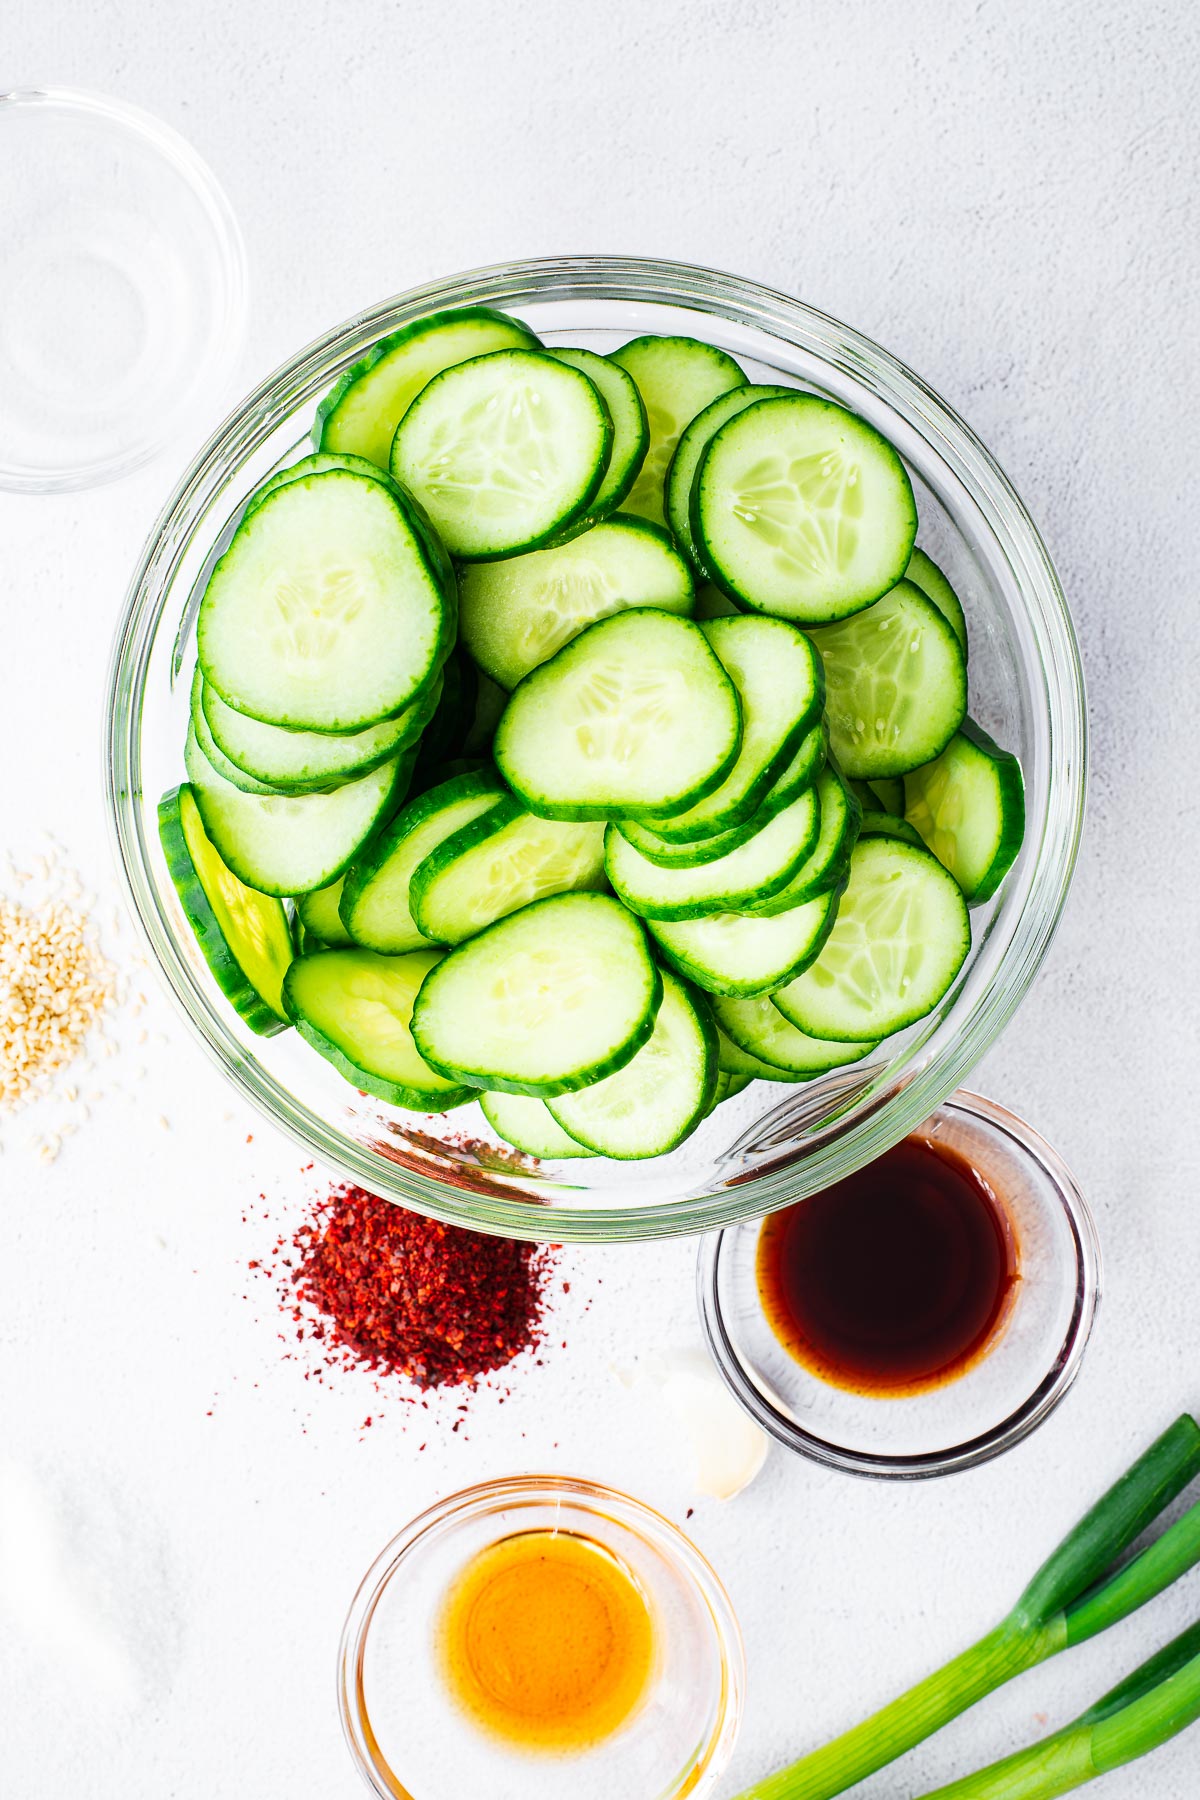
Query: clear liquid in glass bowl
[772, 1144]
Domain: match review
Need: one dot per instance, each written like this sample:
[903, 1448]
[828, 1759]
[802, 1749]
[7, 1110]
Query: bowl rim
[934, 1070]
[230, 259]
[1053, 1387]
[497, 1494]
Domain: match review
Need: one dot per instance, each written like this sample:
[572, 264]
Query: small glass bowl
[1001, 1397]
[410, 1742]
[122, 289]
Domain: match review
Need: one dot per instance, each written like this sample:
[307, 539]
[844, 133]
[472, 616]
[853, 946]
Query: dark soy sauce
[895, 1280]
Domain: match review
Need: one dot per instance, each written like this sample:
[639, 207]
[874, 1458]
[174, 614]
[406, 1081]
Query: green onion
[1154, 1703]
[1071, 1597]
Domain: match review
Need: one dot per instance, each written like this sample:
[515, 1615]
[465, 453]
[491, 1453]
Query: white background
[1005, 196]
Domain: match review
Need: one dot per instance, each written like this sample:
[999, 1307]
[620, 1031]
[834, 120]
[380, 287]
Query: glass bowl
[122, 289]
[770, 1145]
[410, 1742]
[1003, 1396]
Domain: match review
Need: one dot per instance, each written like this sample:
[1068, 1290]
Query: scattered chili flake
[408, 1296]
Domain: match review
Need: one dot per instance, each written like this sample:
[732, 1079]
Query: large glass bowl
[772, 1144]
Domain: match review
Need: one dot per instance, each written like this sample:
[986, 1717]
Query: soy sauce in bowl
[896, 1280]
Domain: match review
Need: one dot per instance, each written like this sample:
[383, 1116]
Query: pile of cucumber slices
[584, 735]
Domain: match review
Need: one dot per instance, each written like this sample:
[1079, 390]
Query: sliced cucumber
[969, 808]
[737, 953]
[885, 824]
[548, 1000]
[364, 409]
[355, 1008]
[305, 760]
[693, 442]
[732, 883]
[799, 775]
[318, 914]
[319, 463]
[924, 573]
[801, 772]
[902, 934]
[332, 608]
[445, 734]
[758, 1027]
[677, 378]
[529, 1125]
[740, 1065]
[518, 613]
[498, 863]
[888, 791]
[213, 752]
[802, 509]
[504, 452]
[896, 685]
[291, 843]
[781, 688]
[829, 862]
[734, 1085]
[244, 936]
[657, 1100]
[631, 433]
[636, 716]
[376, 900]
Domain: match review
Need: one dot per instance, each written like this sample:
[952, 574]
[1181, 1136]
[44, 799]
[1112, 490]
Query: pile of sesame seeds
[56, 985]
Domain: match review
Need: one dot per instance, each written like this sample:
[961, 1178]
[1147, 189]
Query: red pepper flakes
[409, 1296]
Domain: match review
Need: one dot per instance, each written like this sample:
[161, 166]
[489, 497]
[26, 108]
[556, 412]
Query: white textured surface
[1006, 197]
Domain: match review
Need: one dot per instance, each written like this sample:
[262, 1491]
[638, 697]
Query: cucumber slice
[355, 1008]
[781, 688]
[332, 608]
[902, 934]
[802, 509]
[212, 751]
[504, 452]
[758, 1027]
[303, 760]
[829, 862]
[244, 936]
[498, 863]
[636, 716]
[693, 442]
[657, 1100]
[924, 573]
[888, 791]
[740, 1065]
[363, 410]
[529, 1125]
[734, 1085]
[677, 378]
[317, 464]
[969, 808]
[737, 953]
[550, 999]
[801, 772]
[883, 824]
[517, 614]
[799, 775]
[732, 883]
[896, 685]
[319, 916]
[376, 904]
[631, 433]
[291, 843]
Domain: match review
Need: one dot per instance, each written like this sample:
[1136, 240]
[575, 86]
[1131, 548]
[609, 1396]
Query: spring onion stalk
[1154, 1703]
[1071, 1597]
